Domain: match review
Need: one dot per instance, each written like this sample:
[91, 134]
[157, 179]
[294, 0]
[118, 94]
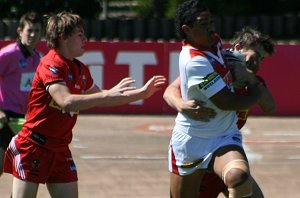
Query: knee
[235, 172]
[235, 177]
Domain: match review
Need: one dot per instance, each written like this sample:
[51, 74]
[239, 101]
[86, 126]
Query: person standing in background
[18, 63]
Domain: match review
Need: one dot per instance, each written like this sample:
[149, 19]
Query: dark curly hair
[187, 14]
[249, 37]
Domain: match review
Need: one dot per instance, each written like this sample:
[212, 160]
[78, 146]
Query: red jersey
[44, 116]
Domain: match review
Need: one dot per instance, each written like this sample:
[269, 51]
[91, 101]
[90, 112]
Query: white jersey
[203, 74]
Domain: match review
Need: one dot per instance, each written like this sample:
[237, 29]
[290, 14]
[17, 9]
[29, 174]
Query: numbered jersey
[44, 116]
[17, 68]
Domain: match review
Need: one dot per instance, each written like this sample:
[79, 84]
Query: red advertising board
[109, 62]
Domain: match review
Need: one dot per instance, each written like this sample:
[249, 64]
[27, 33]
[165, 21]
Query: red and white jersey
[203, 74]
[44, 116]
[17, 68]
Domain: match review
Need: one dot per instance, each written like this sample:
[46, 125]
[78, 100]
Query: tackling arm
[192, 108]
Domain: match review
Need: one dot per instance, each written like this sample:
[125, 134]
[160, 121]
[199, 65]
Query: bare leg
[63, 190]
[257, 193]
[186, 186]
[224, 156]
[24, 189]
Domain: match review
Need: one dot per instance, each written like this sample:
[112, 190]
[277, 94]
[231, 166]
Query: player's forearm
[101, 99]
[172, 96]
[267, 102]
[129, 96]
[226, 100]
[77, 102]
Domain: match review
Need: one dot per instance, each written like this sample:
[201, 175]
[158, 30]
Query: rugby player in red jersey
[62, 86]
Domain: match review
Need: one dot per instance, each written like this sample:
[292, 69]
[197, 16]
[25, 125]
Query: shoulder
[9, 49]
[52, 58]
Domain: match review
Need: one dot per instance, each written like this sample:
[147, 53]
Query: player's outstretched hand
[121, 87]
[153, 85]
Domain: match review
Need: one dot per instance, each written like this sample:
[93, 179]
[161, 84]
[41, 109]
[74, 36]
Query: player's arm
[226, 100]
[243, 76]
[192, 108]
[267, 102]
[118, 95]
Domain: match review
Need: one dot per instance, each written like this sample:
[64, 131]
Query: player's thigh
[23, 188]
[63, 190]
[187, 185]
[225, 155]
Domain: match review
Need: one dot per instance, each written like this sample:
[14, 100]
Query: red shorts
[211, 186]
[31, 162]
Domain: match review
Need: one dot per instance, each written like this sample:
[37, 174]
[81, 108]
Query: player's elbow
[165, 96]
[68, 105]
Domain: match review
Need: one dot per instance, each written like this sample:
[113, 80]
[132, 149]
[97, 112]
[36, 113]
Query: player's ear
[19, 30]
[237, 47]
[186, 29]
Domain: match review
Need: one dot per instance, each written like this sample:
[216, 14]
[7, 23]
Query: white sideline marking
[252, 156]
[80, 146]
[158, 128]
[295, 157]
[282, 133]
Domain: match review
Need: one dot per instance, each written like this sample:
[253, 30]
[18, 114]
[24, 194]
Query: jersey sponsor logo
[54, 105]
[26, 81]
[209, 80]
[53, 69]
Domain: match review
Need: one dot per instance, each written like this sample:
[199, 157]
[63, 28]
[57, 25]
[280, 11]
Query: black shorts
[6, 134]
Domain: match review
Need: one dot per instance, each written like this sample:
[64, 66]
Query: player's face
[254, 56]
[30, 34]
[76, 43]
[201, 34]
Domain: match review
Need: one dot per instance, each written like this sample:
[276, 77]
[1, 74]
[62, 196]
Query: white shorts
[189, 153]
